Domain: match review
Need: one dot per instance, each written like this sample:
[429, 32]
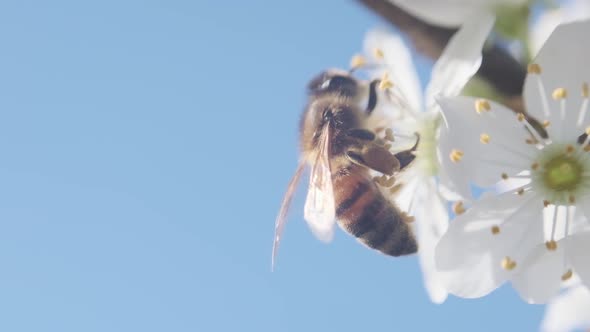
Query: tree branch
[498, 67]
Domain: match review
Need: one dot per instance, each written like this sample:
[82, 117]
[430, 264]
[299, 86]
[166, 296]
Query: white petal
[432, 220]
[577, 250]
[398, 64]
[549, 19]
[483, 164]
[563, 61]
[540, 277]
[460, 59]
[569, 311]
[469, 255]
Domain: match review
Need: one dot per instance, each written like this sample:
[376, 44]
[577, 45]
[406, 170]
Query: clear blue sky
[144, 150]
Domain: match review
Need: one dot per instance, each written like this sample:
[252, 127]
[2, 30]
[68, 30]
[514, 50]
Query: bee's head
[333, 82]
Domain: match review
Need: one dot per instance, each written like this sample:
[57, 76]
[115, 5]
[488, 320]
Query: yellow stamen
[534, 68]
[482, 105]
[458, 208]
[551, 245]
[357, 61]
[495, 229]
[546, 123]
[567, 275]
[572, 199]
[585, 90]
[378, 53]
[508, 264]
[559, 93]
[520, 117]
[456, 155]
[484, 138]
[385, 83]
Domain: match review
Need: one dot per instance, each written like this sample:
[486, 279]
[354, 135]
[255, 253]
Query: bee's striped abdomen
[365, 213]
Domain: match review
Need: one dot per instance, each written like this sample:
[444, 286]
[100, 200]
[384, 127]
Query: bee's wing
[282, 217]
[319, 211]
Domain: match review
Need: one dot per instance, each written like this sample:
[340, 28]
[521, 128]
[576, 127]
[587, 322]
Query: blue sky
[145, 147]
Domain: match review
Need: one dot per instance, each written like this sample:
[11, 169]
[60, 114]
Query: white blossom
[537, 235]
[420, 193]
[568, 311]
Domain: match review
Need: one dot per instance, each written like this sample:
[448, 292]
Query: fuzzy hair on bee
[342, 152]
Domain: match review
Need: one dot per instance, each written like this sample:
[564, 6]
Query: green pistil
[562, 173]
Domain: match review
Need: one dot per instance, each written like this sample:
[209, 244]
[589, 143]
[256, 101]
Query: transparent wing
[319, 211]
[282, 217]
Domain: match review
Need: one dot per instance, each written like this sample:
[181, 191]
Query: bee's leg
[375, 157]
[372, 95]
[406, 157]
[361, 134]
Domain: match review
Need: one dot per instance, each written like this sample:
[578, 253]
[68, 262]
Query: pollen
[520, 117]
[456, 155]
[567, 275]
[546, 124]
[559, 94]
[495, 229]
[482, 105]
[385, 82]
[551, 245]
[484, 138]
[535, 166]
[534, 68]
[378, 53]
[504, 176]
[357, 61]
[508, 264]
[458, 208]
[585, 90]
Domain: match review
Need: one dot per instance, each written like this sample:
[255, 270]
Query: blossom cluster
[515, 182]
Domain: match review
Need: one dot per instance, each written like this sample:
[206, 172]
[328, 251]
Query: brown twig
[498, 67]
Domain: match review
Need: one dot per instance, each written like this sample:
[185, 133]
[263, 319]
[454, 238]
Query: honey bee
[341, 152]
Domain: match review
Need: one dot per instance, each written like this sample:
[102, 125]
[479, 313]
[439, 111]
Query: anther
[587, 131]
[458, 208]
[495, 229]
[585, 90]
[530, 141]
[546, 123]
[378, 53]
[535, 166]
[482, 105]
[385, 83]
[559, 93]
[534, 68]
[456, 155]
[508, 264]
[520, 117]
[551, 245]
[572, 199]
[569, 149]
[504, 176]
[484, 138]
[567, 275]
[546, 203]
[520, 191]
[357, 61]
[587, 148]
